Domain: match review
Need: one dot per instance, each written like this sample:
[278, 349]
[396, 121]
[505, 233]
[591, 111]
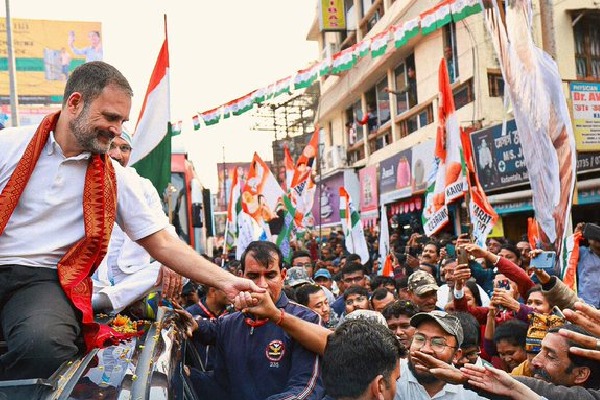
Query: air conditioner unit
[335, 157]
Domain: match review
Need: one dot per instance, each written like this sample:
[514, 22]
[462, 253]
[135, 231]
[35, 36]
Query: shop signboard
[326, 207]
[395, 177]
[499, 158]
[422, 164]
[585, 97]
[368, 194]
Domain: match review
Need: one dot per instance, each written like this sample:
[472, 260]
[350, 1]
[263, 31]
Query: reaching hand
[586, 317]
[475, 250]
[186, 319]
[501, 297]
[590, 346]
[498, 382]
[440, 369]
[235, 285]
[172, 283]
[259, 304]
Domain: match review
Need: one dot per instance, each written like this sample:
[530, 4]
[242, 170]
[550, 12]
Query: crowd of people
[453, 321]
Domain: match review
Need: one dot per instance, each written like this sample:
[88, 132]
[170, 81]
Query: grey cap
[297, 276]
[421, 282]
[449, 323]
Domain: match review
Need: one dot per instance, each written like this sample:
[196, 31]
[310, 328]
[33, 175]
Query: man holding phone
[588, 267]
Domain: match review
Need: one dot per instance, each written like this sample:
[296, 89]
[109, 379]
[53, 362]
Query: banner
[586, 115]
[534, 87]
[353, 231]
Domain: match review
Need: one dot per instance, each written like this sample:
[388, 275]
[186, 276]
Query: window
[383, 102]
[401, 98]
[330, 133]
[414, 120]
[463, 94]
[406, 85]
[450, 53]
[496, 84]
[587, 46]
[357, 112]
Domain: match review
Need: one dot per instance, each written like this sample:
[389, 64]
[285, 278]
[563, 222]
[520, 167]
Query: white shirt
[407, 387]
[49, 217]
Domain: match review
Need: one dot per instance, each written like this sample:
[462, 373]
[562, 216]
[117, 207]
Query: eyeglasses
[305, 265]
[356, 279]
[438, 344]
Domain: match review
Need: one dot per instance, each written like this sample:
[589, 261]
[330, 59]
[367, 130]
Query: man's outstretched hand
[235, 285]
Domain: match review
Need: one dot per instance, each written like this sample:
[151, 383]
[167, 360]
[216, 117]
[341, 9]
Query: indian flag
[344, 60]
[462, 9]
[282, 86]
[406, 31]
[325, 66]
[234, 208]
[428, 21]
[306, 77]
[379, 44]
[151, 154]
[283, 238]
[211, 117]
[442, 14]
[353, 231]
[242, 105]
[259, 95]
[289, 167]
[176, 128]
[196, 121]
[364, 47]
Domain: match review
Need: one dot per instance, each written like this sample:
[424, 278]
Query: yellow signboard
[332, 15]
[45, 53]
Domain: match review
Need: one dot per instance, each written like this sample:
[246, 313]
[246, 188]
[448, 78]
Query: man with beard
[60, 195]
[555, 364]
[440, 335]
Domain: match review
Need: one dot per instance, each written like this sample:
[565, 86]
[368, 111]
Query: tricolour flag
[306, 77]
[234, 208]
[196, 121]
[289, 167]
[443, 15]
[379, 44]
[283, 238]
[243, 104]
[151, 147]
[177, 128]
[364, 47]
[344, 60]
[384, 241]
[428, 21]
[259, 95]
[211, 117]
[353, 231]
[282, 86]
[461, 9]
[325, 66]
[406, 31]
[302, 188]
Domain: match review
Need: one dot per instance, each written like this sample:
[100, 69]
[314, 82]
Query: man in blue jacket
[256, 359]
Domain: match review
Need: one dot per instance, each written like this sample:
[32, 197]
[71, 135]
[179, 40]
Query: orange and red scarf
[99, 209]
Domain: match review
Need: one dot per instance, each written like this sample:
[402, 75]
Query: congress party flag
[352, 227]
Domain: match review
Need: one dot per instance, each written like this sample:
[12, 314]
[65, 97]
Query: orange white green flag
[449, 182]
[352, 227]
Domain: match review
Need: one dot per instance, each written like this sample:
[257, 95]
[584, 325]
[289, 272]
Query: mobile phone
[504, 284]
[556, 311]
[450, 250]
[546, 261]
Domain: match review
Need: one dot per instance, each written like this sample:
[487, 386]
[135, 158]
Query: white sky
[219, 50]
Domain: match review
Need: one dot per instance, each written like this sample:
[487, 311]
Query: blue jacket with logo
[260, 363]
